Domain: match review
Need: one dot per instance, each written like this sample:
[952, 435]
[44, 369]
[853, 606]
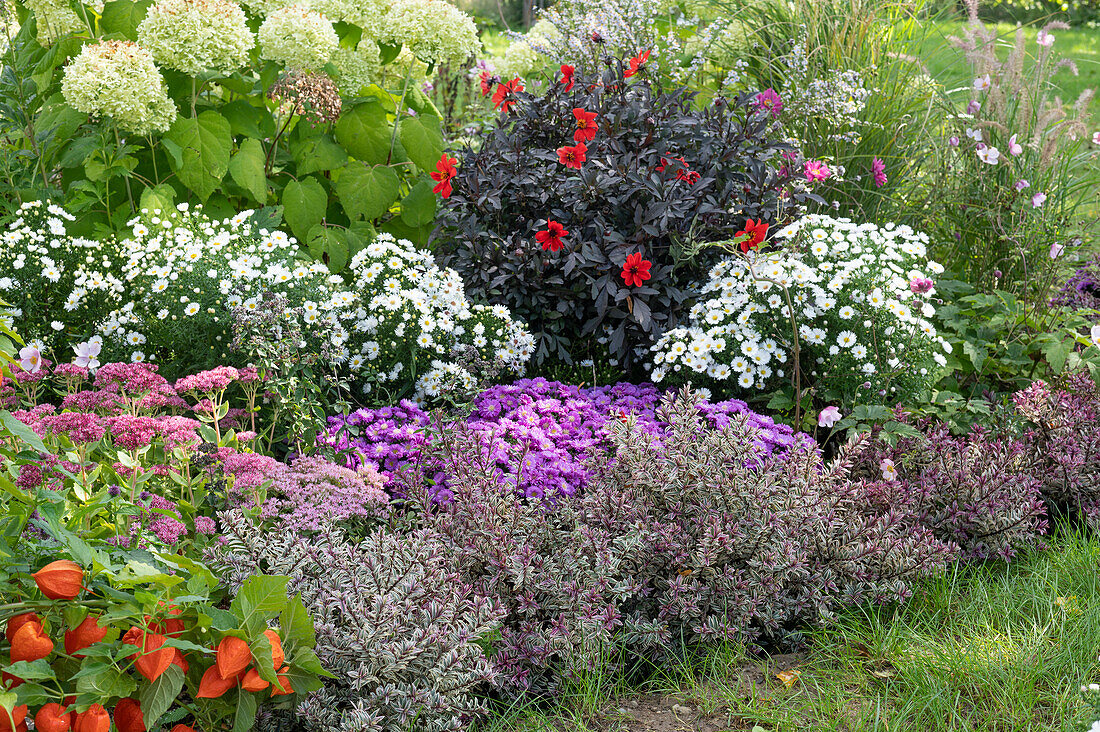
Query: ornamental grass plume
[193, 36]
[118, 79]
[301, 38]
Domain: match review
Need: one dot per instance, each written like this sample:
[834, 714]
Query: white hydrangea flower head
[119, 79]
[367, 14]
[298, 37]
[434, 30]
[197, 35]
[357, 67]
[55, 19]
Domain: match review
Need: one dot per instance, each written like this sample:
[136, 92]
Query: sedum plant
[315, 107]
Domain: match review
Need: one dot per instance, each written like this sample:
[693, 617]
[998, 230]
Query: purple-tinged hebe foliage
[1063, 443]
[682, 535]
[976, 491]
[546, 428]
[394, 623]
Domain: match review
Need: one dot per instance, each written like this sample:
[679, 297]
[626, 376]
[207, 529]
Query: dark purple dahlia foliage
[976, 491]
[546, 430]
[685, 533]
[1063, 442]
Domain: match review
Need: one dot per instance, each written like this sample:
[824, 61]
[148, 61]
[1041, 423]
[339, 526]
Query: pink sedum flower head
[1038, 199]
[816, 170]
[30, 358]
[829, 416]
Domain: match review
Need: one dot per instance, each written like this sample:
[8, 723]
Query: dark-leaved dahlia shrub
[1063, 442]
[395, 625]
[977, 491]
[583, 209]
[683, 535]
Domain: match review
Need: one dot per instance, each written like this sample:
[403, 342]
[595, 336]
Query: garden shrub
[977, 491]
[859, 295]
[1063, 440]
[395, 624]
[584, 209]
[57, 285]
[237, 106]
[689, 536]
[551, 429]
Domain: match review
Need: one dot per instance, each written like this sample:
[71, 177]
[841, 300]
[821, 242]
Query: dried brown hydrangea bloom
[308, 94]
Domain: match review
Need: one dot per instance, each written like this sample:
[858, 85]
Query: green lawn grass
[1082, 45]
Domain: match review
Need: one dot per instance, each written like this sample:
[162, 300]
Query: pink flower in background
[974, 107]
[989, 155]
[982, 83]
[973, 134]
[953, 141]
[1022, 184]
[1044, 39]
[1056, 250]
[1096, 138]
[30, 358]
[829, 416]
[878, 172]
[921, 285]
[815, 170]
[1014, 147]
[1038, 199]
[769, 100]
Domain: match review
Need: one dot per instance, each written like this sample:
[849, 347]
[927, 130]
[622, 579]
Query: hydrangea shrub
[854, 299]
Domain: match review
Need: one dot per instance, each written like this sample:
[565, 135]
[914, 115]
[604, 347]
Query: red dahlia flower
[572, 157]
[502, 97]
[567, 77]
[586, 125]
[756, 231]
[636, 270]
[487, 80]
[445, 171]
[636, 64]
[552, 238]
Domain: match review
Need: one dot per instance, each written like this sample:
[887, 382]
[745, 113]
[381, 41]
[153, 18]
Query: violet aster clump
[546, 428]
[1082, 290]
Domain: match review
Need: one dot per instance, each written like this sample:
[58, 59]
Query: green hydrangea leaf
[304, 205]
[205, 142]
[367, 192]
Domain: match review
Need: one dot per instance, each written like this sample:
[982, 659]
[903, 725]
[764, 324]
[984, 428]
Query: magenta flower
[816, 170]
[921, 285]
[878, 172]
[769, 100]
[953, 141]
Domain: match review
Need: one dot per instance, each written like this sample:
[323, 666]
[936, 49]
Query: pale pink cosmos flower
[989, 155]
[1096, 138]
[1038, 199]
[974, 107]
[889, 471]
[87, 354]
[982, 83]
[1022, 184]
[1056, 250]
[1095, 333]
[30, 358]
[829, 416]
[1014, 147]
